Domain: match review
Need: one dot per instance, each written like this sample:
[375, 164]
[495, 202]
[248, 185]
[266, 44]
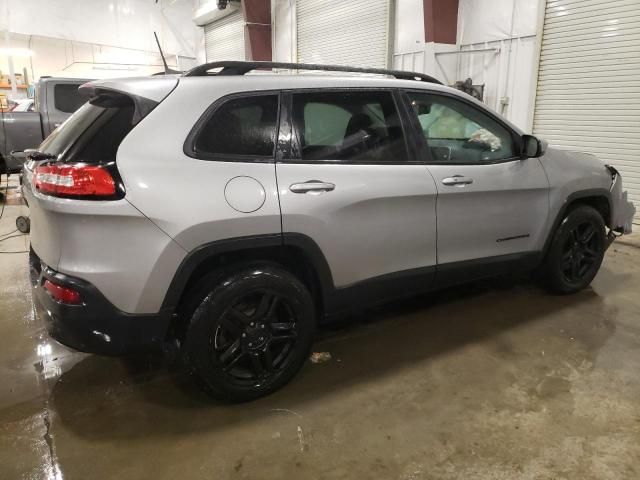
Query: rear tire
[251, 333]
[576, 251]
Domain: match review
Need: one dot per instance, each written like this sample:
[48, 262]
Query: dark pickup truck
[56, 99]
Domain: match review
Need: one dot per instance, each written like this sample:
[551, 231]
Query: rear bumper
[95, 326]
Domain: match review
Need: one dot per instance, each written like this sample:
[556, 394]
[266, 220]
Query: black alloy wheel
[581, 251]
[250, 331]
[256, 337]
[576, 251]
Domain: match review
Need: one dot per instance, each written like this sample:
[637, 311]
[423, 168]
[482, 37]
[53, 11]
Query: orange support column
[440, 21]
[257, 30]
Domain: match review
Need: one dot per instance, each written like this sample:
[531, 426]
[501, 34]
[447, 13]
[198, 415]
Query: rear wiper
[37, 155]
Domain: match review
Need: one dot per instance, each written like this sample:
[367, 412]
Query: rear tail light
[75, 180]
[62, 294]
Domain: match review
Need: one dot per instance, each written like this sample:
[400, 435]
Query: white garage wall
[285, 41]
[488, 20]
[509, 27]
[344, 33]
[65, 58]
[507, 73]
[283, 31]
[224, 37]
[409, 26]
[434, 59]
[98, 38]
[117, 23]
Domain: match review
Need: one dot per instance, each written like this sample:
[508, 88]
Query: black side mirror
[533, 147]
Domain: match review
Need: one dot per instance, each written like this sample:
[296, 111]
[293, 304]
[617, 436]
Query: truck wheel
[576, 251]
[251, 333]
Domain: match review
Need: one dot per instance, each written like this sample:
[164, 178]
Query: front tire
[251, 333]
[576, 251]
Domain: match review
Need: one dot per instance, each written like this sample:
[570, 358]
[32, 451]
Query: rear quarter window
[242, 126]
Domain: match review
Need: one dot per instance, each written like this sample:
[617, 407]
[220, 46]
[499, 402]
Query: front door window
[459, 133]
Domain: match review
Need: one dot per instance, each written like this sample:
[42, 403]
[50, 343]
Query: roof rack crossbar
[240, 68]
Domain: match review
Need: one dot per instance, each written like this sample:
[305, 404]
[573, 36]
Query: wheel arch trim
[207, 252]
[572, 199]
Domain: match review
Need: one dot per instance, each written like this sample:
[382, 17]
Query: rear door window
[358, 126]
[66, 97]
[244, 127]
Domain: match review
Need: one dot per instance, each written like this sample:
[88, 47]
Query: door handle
[457, 181]
[312, 186]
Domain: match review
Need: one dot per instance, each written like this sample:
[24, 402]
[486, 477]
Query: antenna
[167, 70]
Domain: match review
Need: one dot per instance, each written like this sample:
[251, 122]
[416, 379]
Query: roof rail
[240, 68]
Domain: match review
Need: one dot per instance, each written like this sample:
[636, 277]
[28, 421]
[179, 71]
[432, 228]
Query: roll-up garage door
[353, 33]
[224, 38]
[588, 94]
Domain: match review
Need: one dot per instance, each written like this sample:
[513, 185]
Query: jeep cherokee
[230, 213]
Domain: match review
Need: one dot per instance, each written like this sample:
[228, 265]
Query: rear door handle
[312, 186]
[457, 181]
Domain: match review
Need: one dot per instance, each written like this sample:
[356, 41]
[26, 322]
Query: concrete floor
[494, 380]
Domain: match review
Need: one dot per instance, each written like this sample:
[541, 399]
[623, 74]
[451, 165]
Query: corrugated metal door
[588, 95]
[224, 38]
[353, 33]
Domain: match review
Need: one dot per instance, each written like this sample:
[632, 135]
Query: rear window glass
[241, 126]
[66, 97]
[92, 134]
[67, 133]
[106, 136]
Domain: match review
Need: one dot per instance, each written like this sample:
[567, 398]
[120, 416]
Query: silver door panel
[368, 220]
[494, 209]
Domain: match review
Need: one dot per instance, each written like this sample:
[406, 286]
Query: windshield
[66, 134]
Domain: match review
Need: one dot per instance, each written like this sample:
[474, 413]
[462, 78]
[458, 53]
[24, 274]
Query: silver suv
[231, 213]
